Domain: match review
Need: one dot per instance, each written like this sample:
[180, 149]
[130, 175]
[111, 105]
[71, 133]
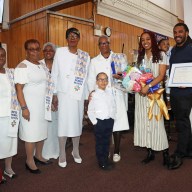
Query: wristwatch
[149, 85]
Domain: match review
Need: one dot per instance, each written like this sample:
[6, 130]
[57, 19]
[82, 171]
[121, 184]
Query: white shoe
[77, 160]
[116, 157]
[63, 164]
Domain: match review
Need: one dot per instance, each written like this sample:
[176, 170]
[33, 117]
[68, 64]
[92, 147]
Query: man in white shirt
[103, 63]
[101, 112]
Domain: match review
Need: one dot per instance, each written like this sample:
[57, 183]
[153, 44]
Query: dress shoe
[63, 164]
[10, 175]
[150, 157]
[107, 167]
[116, 157]
[175, 163]
[48, 162]
[77, 160]
[36, 171]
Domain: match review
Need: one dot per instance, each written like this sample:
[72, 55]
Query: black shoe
[48, 162]
[36, 171]
[175, 163]
[166, 159]
[107, 166]
[150, 157]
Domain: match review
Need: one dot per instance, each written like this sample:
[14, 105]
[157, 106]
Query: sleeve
[91, 112]
[55, 70]
[91, 80]
[164, 59]
[21, 76]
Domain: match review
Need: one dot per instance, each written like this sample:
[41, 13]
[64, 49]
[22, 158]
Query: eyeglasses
[33, 50]
[72, 36]
[103, 43]
[102, 80]
[46, 50]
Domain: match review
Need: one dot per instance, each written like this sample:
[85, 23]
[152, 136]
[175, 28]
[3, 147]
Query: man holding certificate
[181, 92]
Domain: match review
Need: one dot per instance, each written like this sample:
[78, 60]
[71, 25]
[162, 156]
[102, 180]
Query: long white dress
[51, 144]
[149, 133]
[34, 78]
[101, 64]
[8, 145]
[70, 110]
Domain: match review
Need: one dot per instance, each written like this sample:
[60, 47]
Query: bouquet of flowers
[131, 77]
[134, 80]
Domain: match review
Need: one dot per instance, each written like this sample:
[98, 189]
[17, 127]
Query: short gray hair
[49, 44]
[104, 36]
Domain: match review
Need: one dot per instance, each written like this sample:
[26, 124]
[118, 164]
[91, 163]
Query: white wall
[174, 6]
[188, 15]
[165, 4]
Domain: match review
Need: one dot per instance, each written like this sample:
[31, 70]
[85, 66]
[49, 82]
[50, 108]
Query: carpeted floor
[129, 174]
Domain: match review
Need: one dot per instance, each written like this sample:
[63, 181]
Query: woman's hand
[26, 114]
[144, 90]
[55, 103]
[90, 96]
[53, 108]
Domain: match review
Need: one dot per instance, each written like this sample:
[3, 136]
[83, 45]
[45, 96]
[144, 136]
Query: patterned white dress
[149, 133]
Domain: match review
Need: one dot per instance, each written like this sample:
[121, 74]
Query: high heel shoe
[36, 171]
[77, 160]
[10, 175]
[62, 164]
[166, 159]
[150, 156]
[48, 162]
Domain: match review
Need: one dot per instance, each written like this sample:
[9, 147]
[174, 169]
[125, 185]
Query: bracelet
[24, 107]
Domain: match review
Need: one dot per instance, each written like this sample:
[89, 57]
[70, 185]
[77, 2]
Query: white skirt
[51, 144]
[8, 145]
[121, 121]
[70, 116]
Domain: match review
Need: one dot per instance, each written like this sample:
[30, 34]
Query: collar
[101, 56]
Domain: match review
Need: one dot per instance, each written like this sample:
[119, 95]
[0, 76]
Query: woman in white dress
[150, 133]
[69, 74]
[31, 80]
[8, 140]
[51, 144]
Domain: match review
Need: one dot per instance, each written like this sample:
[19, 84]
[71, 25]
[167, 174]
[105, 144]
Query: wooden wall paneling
[61, 31]
[57, 29]
[51, 29]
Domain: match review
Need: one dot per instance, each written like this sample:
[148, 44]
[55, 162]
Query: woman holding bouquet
[150, 133]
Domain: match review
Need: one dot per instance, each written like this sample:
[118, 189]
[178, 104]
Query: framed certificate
[181, 75]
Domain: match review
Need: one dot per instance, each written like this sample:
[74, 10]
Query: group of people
[47, 97]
